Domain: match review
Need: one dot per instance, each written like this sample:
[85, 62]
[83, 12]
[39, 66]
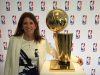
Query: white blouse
[28, 49]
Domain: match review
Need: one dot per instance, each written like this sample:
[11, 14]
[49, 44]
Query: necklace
[28, 45]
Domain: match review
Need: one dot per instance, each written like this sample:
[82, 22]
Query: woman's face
[28, 26]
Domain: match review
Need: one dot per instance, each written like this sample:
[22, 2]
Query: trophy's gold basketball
[57, 20]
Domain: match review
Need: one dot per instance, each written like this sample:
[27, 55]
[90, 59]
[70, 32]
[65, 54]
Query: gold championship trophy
[56, 21]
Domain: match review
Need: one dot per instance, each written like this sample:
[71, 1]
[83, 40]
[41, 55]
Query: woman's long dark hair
[20, 31]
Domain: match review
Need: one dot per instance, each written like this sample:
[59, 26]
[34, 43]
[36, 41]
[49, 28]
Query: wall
[84, 23]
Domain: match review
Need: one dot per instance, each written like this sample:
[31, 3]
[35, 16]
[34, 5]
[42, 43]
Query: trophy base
[54, 66]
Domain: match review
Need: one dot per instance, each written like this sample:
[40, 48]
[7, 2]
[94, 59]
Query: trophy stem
[56, 41]
[63, 46]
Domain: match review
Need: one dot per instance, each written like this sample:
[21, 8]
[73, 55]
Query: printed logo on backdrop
[88, 60]
[97, 18]
[90, 33]
[82, 47]
[3, 19]
[37, 18]
[0, 32]
[54, 4]
[72, 18]
[1, 58]
[94, 47]
[7, 6]
[31, 5]
[84, 19]
[66, 5]
[43, 33]
[92, 5]
[65, 31]
[42, 5]
[79, 5]
[9, 33]
[14, 19]
[5, 45]
[77, 34]
[98, 60]
[93, 71]
[19, 5]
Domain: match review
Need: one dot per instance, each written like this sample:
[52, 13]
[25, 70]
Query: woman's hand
[80, 61]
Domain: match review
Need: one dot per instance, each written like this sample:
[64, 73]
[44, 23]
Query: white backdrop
[84, 23]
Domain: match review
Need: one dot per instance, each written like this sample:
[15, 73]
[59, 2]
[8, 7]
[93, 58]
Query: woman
[27, 49]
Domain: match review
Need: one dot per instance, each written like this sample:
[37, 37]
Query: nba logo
[54, 4]
[98, 60]
[82, 47]
[31, 6]
[65, 31]
[79, 5]
[37, 18]
[77, 34]
[42, 5]
[84, 19]
[1, 58]
[19, 5]
[90, 34]
[72, 19]
[88, 60]
[7, 6]
[5, 45]
[94, 47]
[93, 71]
[97, 19]
[43, 33]
[2, 19]
[9, 33]
[92, 5]
[14, 19]
[0, 32]
[66, 5]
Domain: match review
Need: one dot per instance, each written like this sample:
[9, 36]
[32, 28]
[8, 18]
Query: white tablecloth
[46, 70]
